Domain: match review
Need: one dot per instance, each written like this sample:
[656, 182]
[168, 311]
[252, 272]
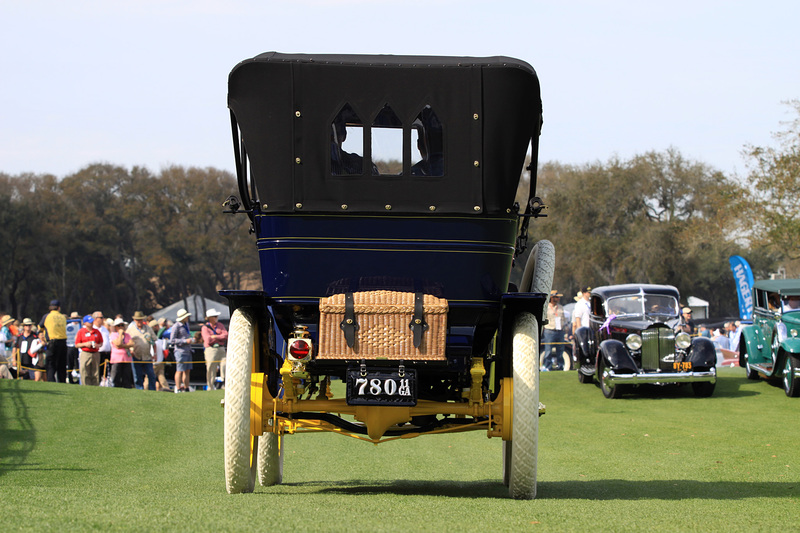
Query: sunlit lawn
[78, 458]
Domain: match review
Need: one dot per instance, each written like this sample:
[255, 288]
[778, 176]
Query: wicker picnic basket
[383, 330]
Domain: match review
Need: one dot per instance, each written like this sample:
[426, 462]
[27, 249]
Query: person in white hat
[181, 338]
[121, 360]
[22, 355]
[144, 340]
[7, 342]
[215, 337]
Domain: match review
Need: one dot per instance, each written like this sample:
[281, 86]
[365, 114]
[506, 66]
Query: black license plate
[382, 387]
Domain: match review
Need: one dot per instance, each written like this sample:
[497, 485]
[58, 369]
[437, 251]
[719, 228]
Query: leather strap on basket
[418, 325]
[349, 325]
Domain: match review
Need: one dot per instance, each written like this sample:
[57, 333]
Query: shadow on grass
[612, 489]
[17, 433]
[727, 387]
[675, 489]
[403, 487]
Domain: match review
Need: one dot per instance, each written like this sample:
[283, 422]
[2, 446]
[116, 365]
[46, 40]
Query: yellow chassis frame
[268, 414]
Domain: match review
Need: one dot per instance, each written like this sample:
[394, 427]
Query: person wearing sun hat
[581, 311]
[7, 339]
[215, 337]
[22, 356]
[686, 324]
[144, 340]
[121, 361]
[7, 343]
[181, 338]
[89, 341]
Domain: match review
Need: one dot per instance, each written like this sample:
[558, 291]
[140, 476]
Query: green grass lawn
[85, 458]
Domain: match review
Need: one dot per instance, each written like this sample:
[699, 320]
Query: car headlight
[633, 341]
[683, 340]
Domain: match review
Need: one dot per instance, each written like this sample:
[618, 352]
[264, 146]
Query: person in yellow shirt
[55, 325]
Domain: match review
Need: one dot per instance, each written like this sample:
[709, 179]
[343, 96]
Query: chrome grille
[656, 345]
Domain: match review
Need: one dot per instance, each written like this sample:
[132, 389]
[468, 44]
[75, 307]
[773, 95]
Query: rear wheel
[506, 462]
[521, 471]
[539, 269]
[791, 385]
[270, 460]
[240, 447]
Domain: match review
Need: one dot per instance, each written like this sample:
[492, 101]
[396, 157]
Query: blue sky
[143, 82]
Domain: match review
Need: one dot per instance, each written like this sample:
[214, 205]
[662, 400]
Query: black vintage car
[632, 340]
[381, 191]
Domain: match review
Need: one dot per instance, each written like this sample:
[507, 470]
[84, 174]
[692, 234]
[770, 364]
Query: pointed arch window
[427, 139]
[387, 142]
[347, 143]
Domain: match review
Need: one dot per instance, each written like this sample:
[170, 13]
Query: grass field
[85, 458]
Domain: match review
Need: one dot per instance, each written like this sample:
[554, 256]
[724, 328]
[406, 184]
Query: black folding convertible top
[282, 107]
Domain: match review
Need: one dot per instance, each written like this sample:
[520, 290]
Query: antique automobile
[381, 191]
[632, 340]
[770, 346]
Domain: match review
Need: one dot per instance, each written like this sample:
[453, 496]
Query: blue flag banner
[744, 285]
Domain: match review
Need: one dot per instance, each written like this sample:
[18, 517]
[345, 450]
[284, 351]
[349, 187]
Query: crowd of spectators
[95, 350]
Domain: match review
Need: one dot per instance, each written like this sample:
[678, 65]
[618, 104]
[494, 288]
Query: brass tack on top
[477, 208]
[432, 208]
[298, 205]
[476, 163]
[264, 207]
[387, 207]
[297, 160]
[475, 116]
[297, 114]
[344, 206]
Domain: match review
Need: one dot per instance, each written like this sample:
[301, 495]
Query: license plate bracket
[382, 387]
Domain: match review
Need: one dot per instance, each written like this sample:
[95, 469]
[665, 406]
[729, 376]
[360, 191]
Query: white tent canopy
[698, 306]
[197, 306]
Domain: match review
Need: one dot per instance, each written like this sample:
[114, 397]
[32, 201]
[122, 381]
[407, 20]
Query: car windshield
[791, 304]
[643, 305]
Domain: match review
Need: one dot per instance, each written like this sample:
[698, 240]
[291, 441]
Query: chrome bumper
[641, 378]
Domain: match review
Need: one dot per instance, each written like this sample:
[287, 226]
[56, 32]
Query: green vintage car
[770, 346]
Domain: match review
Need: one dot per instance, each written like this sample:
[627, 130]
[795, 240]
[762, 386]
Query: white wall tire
[239, 447]
[567, 361]
[791, 385]
[270, 460]
[525, 418]
[539, 269]
[506, 462]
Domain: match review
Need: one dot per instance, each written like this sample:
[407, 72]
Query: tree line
[659, 217]
[118, 240]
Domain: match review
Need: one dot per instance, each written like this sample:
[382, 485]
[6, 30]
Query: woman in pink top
[121, 361]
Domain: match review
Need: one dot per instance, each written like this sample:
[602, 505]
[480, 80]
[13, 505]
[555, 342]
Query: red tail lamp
[299, 349]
